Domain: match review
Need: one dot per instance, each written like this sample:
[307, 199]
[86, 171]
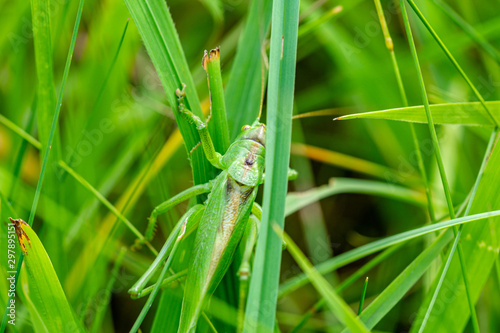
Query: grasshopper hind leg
[188, 222]
[247, 244]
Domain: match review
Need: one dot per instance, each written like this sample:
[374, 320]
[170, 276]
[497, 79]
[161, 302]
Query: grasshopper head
[256, 132]
[245, 156]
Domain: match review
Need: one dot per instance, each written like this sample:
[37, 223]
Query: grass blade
[162, 42]
[365, 250]
[339, 308]
[351, 163]
[44, 71]
[391, 295]
[42, 291]
[265, 275]
[390, 47]
[473, 34]
[218, 123]
[435, 143]
[244, 86]
[363, 295]
[298, 200]
[469, 114]
[453, 61]
[480, 245]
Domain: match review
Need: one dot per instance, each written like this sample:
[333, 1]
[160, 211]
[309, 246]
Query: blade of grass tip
[469, 30]
[420, 162]
[49, 143]
[351, 256]
[266, 265]
[437, 153]
[218, 118]
[452, 59]
[41, 291]
[338, 306]
[457, 237]
[94, 113]
[326, 112]
[468, 114]
[363, 295]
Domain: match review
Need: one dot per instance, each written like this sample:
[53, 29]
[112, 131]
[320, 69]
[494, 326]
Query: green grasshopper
[222, 219]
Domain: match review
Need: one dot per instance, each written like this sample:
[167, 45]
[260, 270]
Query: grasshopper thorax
[245, 157]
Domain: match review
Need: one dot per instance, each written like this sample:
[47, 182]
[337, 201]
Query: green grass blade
[218, 119]
[266, 268]
[459, 234]
[421, 167]
[480, 243]
[153, 294]
[391, 295]
[453, 61]
[46, 95]
[106, 203]
[102, 89]
[469, 113]
[19, 131]
[350, 280]
[42, 290]
[298, 200]
[365, 250]
[336, 304]
[244, 86]
[353, 163]
[473, 34]
[363, 295]
[56, 114]
[44, 70]
[435, 142]
[20, 157]
[160, 37]
[82, 182]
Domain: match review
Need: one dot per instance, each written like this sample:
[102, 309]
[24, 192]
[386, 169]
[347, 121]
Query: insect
[223, 220]
[21, 234]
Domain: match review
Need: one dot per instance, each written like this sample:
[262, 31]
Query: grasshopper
[222, 220]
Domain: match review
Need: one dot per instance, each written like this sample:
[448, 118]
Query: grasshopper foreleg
[206, 140]
[291, 175]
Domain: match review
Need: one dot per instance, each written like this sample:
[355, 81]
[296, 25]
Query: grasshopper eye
[246, 127]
